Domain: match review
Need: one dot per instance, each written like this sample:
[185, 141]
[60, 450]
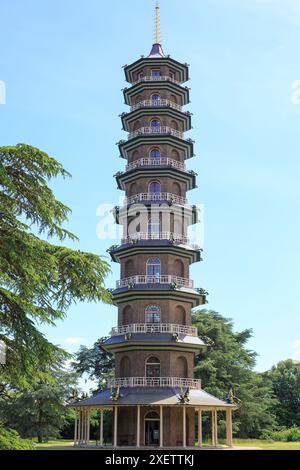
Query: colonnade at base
[82, 427]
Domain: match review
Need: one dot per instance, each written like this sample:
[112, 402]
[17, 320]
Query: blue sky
[61, 62]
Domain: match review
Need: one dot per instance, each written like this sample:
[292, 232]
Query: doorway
[152, 429]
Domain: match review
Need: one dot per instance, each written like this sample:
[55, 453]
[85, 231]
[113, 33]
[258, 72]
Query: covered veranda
[157, 408]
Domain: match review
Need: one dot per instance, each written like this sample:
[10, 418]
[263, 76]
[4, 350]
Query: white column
[101, 428]
[213, 442]
[138, 426]
[115, 426]
[82, 426]
[184, 426]
[229, 427]
[161, 430]
[215, 428]
[75, 428]
[88, 413]
[200, 436]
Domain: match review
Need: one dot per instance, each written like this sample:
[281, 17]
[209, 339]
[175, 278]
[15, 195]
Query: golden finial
[157, 36]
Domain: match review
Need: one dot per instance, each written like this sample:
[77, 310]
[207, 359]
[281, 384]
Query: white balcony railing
[163, 130]
[155, 382]
[152, 78]
[156, 104]
[174, 237]
[144, 197]
[155, 328]
[163, 279]
[156, 162]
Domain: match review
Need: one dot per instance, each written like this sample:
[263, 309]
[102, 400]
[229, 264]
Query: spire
[157, 50]
[157, 37]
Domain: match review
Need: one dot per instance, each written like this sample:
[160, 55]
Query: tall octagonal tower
[154, 395]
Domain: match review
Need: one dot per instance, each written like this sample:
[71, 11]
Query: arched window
[155, 154]
[174, 125]
[153, 267]
[125, 367]
[178, 266]
[155, 125]
[154, 226]
[155, 73]
[175, 155]
[181, 367]
[155, 98]
[152, 368]
[173, 98]
[129, 268]
[152, 415]
[180, 315]
[127, 315]
[176, 189]
[154, 187]
[133, 189]
[136, 125]
[152, 314]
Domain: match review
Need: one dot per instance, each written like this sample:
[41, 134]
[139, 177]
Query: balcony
[170, 236]
[156, 104]
[142, 162]
[163, 130]
[152, 78]
[155, 328]
[155, 382]
[175, 281]
[154, 197]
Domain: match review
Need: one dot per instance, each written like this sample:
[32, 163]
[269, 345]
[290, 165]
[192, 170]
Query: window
[141, 75]
[172, 75]
[153, 267]
[155, 153]
[152, 314]
[152, 368]
[155, 73]
[154, 187]
[152, 415]
[154, 226]
[155, 98]
[155, 125]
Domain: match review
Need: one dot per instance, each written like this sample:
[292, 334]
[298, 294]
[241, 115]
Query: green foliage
[229, 364]
[95, 362]
[283, 435]
[284, 379]
[10, 440]
[38, 280]
[40, 410]
[107, 426]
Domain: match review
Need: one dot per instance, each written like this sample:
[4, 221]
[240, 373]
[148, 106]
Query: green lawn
[243, 443]
[267, 445]
[58, 443]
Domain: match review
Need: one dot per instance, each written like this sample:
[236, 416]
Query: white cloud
[74, 340]
[296, 350]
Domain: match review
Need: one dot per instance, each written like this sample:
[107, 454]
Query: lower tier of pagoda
[154, 342]
[159, 394]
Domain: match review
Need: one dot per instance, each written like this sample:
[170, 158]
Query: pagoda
[155, 399]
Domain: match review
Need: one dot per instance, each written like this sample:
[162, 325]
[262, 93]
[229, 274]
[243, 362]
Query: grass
[55, 443]
[256, 444]
[266, 445]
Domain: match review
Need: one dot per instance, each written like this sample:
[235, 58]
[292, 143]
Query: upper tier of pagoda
[157, 58]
